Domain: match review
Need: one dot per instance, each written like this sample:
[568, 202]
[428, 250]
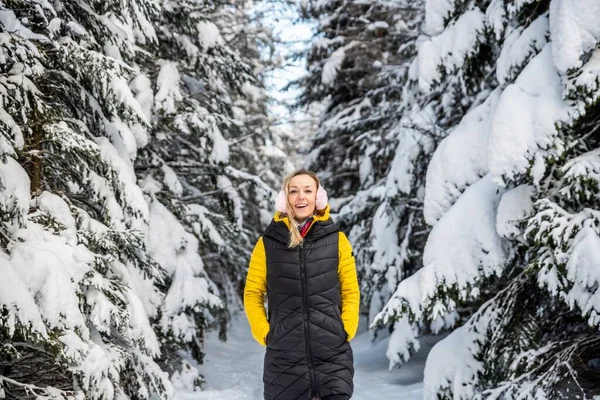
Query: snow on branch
[463, 248]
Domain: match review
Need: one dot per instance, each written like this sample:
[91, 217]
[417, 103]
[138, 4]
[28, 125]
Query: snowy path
[233, 370]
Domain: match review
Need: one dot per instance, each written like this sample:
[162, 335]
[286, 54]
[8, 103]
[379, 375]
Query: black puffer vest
[307, 352]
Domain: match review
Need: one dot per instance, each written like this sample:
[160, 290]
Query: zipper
[311, 372]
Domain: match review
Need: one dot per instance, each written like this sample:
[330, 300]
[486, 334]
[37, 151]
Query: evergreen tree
[282, 46]
[260, 150]
[182, 165]
[209, 165]
[512, 197]
[74, 220]
[105, 292]
[375, 137]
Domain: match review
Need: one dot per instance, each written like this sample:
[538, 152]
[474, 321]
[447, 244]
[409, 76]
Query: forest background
[458, 141]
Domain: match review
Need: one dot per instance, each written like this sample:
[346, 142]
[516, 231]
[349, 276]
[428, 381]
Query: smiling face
[302, 195]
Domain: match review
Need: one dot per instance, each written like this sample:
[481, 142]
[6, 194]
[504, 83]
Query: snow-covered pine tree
[73, 322]
[203, 168]
[259, 149]
[283, 39]
[512, 194]
[373, 134]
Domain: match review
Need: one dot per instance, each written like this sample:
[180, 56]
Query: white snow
[226, 186]
[191, 50]
[459, 160]
[204, 120]
[205, 227]
[123, 139]
[55, 206]
[220, 148]
[495, 17]
[110, 50]
[176, 251]
[168, 93]
[146, 289]
[16, 298]
[436, 14]
[137, 217]
[410, 145]
[322, 42]
[123, 94]
[15, 130]
[526, 116]
[519, 45]
[586, 166]
[403, 340]
[447, 321]
[184, 380]
[366, 165]
[54, 26]
[171, 180]
[52, 270]
[254, 93]
[588, 76]
[142, 85]
[11, 24]
[233, 369]
[574, 30]
[139, 327]
[14, 196]
[378, 25]
[332, 65]
[575, 237]
[462, 248]
[144, 29]
[584, 274]
[457, 365]
[77, 28]
[388, 255]
[449, 49]
[209, 35]
[514, 207]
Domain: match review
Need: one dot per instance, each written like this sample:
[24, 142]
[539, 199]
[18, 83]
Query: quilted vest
[307, 351]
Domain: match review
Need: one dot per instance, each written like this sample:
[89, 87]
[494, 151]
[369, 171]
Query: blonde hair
[295, 237]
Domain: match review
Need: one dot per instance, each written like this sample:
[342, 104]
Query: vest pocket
[271, 320]
[268, 338]
[338, 316]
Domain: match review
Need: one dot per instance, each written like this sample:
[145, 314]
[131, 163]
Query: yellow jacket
[256, 285]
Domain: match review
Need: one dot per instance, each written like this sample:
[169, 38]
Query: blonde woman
[305, 267]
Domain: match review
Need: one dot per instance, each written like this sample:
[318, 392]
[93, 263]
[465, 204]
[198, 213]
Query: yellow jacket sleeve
[254, 293]
[348, 287]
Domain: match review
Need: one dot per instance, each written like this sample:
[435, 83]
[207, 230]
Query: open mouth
[301, 206]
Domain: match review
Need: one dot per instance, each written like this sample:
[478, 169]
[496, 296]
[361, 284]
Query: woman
[305, 266]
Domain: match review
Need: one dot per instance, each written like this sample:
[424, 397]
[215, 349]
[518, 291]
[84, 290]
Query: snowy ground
[233, 370]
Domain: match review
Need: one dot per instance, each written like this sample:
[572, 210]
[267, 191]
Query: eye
[292, 191]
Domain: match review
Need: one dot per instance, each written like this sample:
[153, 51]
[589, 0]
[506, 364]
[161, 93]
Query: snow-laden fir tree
[372, 145]
[209, 158]
[512, 195]
[76, 270]
[104, 276]
[259, 149]
[181, 159]
[284, 36]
